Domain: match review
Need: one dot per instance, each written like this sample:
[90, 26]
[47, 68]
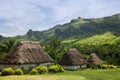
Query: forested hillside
[107, 46]
[1, 38]
[82, 28]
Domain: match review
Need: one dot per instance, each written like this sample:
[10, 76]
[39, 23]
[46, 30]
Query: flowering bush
[54, 69]
[18, 72]
[7, 71]
[41, 69]
[60, 69]
[105, 66]
[33, 72]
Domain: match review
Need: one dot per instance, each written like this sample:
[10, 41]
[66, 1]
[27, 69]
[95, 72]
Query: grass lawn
[108, 74]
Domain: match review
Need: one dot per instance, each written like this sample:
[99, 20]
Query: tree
[54, 48]
[6, 46]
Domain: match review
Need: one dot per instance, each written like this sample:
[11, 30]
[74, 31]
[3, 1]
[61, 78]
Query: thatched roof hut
[94, 59]
[27, 52]
[72, 58]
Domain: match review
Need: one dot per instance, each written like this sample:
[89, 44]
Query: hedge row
[43, 69]
[34, 71]
[105, 66]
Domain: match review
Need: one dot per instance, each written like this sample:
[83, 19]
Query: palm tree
[6, 46]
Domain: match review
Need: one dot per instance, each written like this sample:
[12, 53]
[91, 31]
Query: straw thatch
[72, 58]
[27, 52]
[94, 59]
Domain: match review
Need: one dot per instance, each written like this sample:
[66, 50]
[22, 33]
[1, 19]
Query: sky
[18, 16]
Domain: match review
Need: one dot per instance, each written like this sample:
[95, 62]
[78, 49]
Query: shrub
[54, 69]
[18, 72]
[7, 71]
[105, 66]
[33, 72]
[60, 69]
[111, 66]
[41, 69]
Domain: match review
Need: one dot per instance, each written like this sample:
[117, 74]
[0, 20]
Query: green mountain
[79, 28]
[1, 38]
[76, 29]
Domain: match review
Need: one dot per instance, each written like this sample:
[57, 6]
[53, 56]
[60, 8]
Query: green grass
[43, 77]
[88, 74]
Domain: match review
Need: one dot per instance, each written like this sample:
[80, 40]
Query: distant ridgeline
[1, 38]
[99, 35]
[78, 28]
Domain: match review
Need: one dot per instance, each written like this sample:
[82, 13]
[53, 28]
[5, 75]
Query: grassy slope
[106, 38]
[98, 39]
[108, 74]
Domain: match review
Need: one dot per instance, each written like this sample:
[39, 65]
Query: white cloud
[13, 25]
[17, 16]
[7, 34]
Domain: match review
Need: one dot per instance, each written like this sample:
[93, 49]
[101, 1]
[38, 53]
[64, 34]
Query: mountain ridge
[76, 28]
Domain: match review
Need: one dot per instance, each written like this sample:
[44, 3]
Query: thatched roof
[94, 59]
[72, 58]
[27, 52]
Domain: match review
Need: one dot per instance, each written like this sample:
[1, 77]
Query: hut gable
[71, 58]
[27, 52]
[94, 59]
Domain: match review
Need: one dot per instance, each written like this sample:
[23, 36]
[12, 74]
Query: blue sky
[18, 16]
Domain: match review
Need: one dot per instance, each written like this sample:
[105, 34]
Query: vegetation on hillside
[1, 38]
[105, 45]
[99, 35]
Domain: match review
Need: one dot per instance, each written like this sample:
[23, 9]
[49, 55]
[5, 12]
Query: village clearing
[87, 74]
